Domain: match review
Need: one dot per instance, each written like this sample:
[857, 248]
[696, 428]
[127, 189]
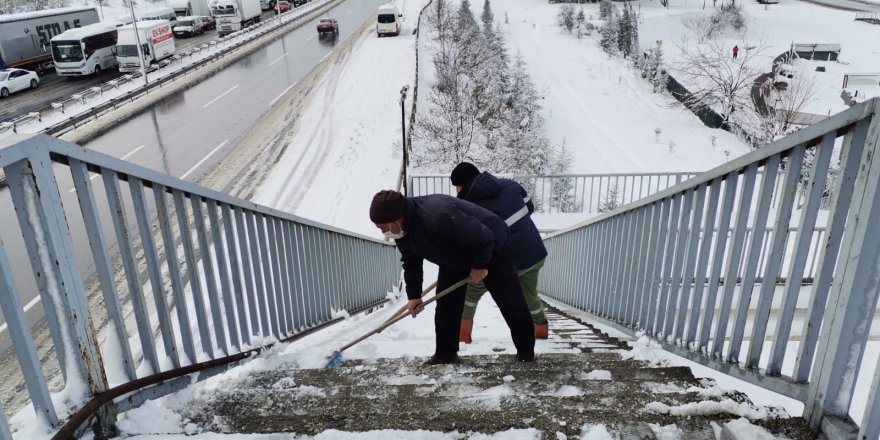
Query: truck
[157, 43]
[185, 8]
[235, 15]
[25, 38]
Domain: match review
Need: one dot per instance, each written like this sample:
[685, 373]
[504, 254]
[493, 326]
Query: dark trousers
[503, 285]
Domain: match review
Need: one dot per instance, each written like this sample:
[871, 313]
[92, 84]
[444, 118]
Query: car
[16, 80]
[188, 26]
[298, 3]
[282, 6]
[208, 22]
[328, 25]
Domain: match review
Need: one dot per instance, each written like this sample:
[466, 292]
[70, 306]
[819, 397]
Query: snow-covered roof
[9, 18]
[85, 31]
[145, 24]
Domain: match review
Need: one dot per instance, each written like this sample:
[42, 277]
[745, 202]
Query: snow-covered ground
[777, 27]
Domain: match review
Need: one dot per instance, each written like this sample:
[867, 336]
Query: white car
[15, 80]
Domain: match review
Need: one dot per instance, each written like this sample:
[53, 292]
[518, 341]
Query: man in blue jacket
[464, 240]
[510, 201]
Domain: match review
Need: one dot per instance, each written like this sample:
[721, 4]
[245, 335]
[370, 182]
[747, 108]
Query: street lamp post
[403, 91]
[137, 38]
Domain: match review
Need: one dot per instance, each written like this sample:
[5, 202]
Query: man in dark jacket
[510, 201]
[463, 240]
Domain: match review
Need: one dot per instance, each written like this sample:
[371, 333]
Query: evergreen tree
[608, 33]
[634, 46]
[606, 10]
[581, 18]
[524, 147]
[488, 18]
[561, 194]
[624, 32]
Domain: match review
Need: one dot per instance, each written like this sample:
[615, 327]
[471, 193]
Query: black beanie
[387, 206]
[463, 173]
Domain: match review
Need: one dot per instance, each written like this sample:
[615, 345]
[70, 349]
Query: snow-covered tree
[566, 17]
[580, 18]
[562, 192]
[608, 32]
[488, 18]
[524, 147]
[654, 70]
[716, 80]
[625, 32]
[606, 10]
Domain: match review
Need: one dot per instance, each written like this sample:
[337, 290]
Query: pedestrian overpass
[181, 281]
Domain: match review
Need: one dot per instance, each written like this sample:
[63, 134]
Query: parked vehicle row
[193, 25]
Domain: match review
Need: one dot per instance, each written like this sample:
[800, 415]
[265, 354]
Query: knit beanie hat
[387, 206]
[463, 173]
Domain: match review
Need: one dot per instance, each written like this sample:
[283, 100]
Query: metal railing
[569, 193]
[204, 275]
[633, 266]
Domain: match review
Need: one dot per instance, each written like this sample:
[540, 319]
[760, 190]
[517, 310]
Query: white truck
[157, 43]
[235, 15]
[190, 7]
[25, 38]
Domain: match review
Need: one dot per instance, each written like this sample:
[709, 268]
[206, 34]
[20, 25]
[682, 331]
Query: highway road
[182, 135]
[54, 88]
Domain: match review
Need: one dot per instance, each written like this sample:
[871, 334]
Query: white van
[160, 14]
[388, 20]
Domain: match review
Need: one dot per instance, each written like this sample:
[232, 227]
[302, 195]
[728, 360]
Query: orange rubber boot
[464, 335]
[541, 331]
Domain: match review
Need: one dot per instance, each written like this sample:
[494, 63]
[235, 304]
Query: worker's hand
[414, 306]
[478, 275]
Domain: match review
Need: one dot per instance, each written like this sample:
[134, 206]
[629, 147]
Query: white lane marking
[218, 97]
[203, 160]
[121, 158]
[282, 94]
[278, 59]
[311, 38]
[29, 306]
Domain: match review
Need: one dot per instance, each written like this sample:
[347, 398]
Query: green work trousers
[528, 279]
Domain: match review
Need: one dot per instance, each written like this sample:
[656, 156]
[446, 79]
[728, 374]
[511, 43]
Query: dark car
[328, 25]
[282, 6]
[208, 22]
[298, 3]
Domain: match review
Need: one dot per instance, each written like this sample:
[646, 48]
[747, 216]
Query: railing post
[853, 300]
[42, 219]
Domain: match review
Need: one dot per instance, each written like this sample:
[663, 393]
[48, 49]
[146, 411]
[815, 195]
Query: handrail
[632, 266]
[206, 275]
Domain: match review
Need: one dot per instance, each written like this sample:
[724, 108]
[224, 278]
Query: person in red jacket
[735, 51]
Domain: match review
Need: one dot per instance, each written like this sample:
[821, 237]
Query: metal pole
[137, 38]
[403, 91]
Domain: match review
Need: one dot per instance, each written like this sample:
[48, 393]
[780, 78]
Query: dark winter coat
[451, 233]
[507, 198]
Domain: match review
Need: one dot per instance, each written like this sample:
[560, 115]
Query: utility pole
[403, 91]
[137, 37]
